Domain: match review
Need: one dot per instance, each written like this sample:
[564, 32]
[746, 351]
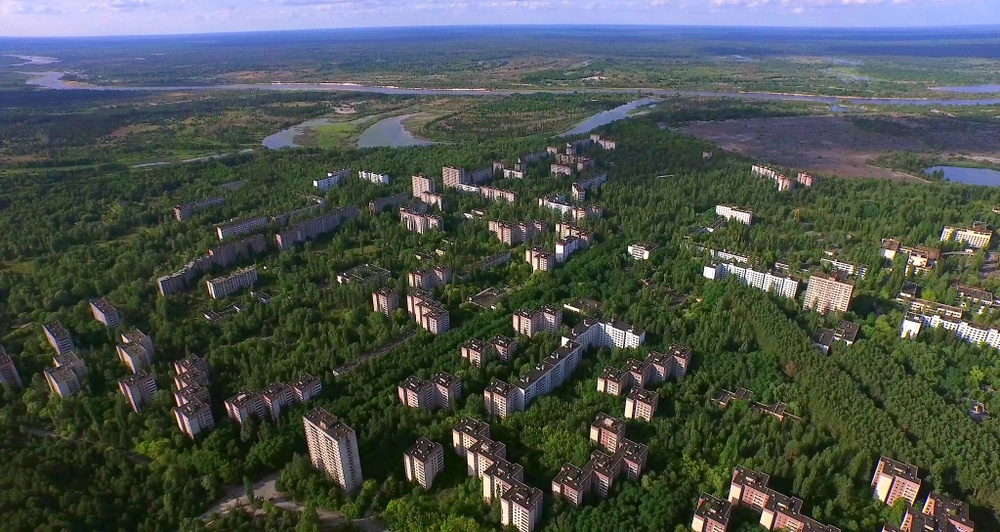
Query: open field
[845, 146]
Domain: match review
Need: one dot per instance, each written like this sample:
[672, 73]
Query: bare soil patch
[843, 147]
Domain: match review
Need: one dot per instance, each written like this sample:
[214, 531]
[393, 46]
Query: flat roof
[445, 379]
[328, 423]
[643, 395]
[750, 477]
[714, 508]
[103, 305]
[242, 397]
[55, 328]
[572, 476]
[899, 469]
[414, 384]
[473, 426]
[424, 449]
[609, 423]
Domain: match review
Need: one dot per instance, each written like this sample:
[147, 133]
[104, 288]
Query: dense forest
[89, 462]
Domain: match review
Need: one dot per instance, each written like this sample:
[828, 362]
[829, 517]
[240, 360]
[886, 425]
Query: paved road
[266, 489]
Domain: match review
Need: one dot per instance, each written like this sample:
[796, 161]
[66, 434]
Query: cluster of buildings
[416, 219]
[479, 351]
[309, 229]
[970, 332]
[823, 339]
[429, 314]
[135, 350]
[424, 189]
[241, 227]
[783, 182]
[193, 412]
[749, 488]
[616, 457]
[185, 211]
[442, 391]
[222, 287]
[332, 179]
[976, 237]
[69, 373]
[641, 403]
[732, 212]
[430, 278]
[512, 234]
[770, 281]
[268, 402]
[578, 213]
[364, 274]
[220, 257]
[333, 448]
[520, 504]
[919, 259]
[894, 480]
[604, 143]
[571, 239]
[580, 188]
[453, 177]
[521, 166]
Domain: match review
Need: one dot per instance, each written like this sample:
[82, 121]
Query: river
[53, 80]
[606, 117]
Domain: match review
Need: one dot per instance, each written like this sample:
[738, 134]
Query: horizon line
[519, 25]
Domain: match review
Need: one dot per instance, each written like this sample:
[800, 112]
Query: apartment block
[314, 227]
[504, 347]
[185, 211]
[919, 259]
[192, 364]
[415, 392]
[63, 381]
[565, 229]
[243, 405]
[613, 381]
[731, 212]
[844, 267]
[134, 356]
[222, 287]
[191, 393]
[500, 399]
[420, 222]
[373, 177]
[333, 448]
[430, 278]
[193, 418]
[828, 294]
[805, 179]
[332, 179]
[521, 508]
[500, 477]
[712, 514]
[546, 319]
[641, 404]
[275, 397]
[510, 233]
[58, 337]
[447, 389]
[483, 454]
[466, 433]
[422, 184]
[539, 259]
[364, 274]
[641, 250]
[452, 177]
[382, 204]
[138, 389]
[977, 237]
[894, 480]
[778, 511]
[306, 387]
[240, 227]
[592, 332]
[566, 247]
[105, 312]
[606, 432]
[606, 144]
[749, 488]
[939, 513]
[476, 351]
[385, 301]
[423, 462]
[775, 282]
[975, 334]
[580, 188]
[8, 372]
[573, 483]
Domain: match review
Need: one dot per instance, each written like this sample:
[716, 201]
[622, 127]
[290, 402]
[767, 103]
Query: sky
[143, 17]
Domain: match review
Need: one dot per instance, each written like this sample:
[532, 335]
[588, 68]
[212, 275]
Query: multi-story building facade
[193, 418]
[275, 397]
[423, 462]
[607, 432]
[482, 455]
[373, 177]
[192, 365]
[566, 247]
[777, 510]
[606, 333]
[333, 448]
[8, 372]
[421, 184]
[521, 507]
[314, 227]
[243, 405]
[240, 227]
[447, 389]
[501, 399]
[500, 477]
[977, 237]
[306, 387]
[573, 483]
[939, 513]
[827, 294]
[641, 404]
[105, 312]
[430, 278]
[385, 301]
[222, 287]
[546, 319]
[641, 250]
[805, 179]
[894, 480]
[606, 144]
[415, 392]
[749, 488]
[504, 347]
[63, 381]
[420, 222]
[511, 234]
[58, 337]
[776, 282]
[539, 259]
[467, 433]
[476, 352]
[614, 381]
[134, 355]
[382, 204]
[332, 179]
[138, 389]
[191, 393]
[731, 212]
[185, 211]
[712, 514]
[975, 334]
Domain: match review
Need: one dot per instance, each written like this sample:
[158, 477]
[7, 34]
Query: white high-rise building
[333, 448]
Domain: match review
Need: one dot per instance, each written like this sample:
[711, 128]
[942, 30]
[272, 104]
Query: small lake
[286, 137]
[607, 117]
[390, 132]
[969, 176]
[969, 89]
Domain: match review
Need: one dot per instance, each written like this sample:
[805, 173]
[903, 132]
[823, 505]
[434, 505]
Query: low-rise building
[712, 514]
[423, 462]
[138, 389]
[58, 337]
[194, 418]
[222, 287]
[105, 312]
[641, 250]
[732, 212]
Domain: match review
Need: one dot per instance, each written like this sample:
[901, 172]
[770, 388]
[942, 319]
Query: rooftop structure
[641, 250]
[333, 448]
[712, 514]
[385, 301]
[364, 274]
[467, 432]
[8, 372]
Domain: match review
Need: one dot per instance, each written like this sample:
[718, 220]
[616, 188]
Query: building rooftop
[643, 395]
[632, 451]
[192, 409]
[522, 495]
[134, 335]
[134, 349]
[613, 374]
[749, 477]
[635, 366]
[848, 331]
[711, 507]
[274, 389]
[500, 387]
[414, 384]
[486, 446]
[423, 450]
[609, 423]
[823, 337]
[602, 463]
[505, 470]
[444, 378]
[242, 398]
[472, 426]
[305, 381]
[329, 423]
[946, 508]
[102, 305]
[56, 329]
[573, 477]
[503, 341]
[779, 502]
[476, 345]
[135, 379]
[899, 469]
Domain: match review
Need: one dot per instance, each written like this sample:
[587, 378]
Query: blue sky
[137, 17]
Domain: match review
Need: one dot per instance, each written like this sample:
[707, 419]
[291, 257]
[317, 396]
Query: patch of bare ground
[845, 146]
